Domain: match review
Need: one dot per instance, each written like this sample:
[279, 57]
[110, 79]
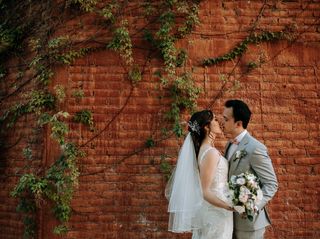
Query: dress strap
[204, 154]
[206, 151]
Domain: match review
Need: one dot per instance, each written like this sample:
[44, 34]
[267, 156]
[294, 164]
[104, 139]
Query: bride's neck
[207, 141]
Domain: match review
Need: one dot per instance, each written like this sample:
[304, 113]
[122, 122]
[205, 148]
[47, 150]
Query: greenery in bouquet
[245, 193]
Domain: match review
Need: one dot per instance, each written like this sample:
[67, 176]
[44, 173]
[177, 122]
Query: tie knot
[234, 141]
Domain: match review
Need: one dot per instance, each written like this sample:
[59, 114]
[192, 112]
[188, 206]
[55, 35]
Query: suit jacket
[256, 161]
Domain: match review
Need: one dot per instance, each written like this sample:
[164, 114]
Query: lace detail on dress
[218, 221]
[204, 154]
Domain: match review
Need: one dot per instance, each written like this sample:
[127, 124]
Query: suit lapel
[226, 149]
[233, 161]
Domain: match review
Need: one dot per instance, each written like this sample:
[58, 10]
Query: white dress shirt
[233, 147]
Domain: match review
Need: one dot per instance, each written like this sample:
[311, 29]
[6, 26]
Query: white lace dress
[218, 222]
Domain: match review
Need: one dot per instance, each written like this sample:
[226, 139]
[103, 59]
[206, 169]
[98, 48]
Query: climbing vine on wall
[254, 38]
[34, 33]
[33, 42]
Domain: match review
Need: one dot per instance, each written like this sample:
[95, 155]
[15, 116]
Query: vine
[183, 91]
[84, 117]
[184, 94]
[57, 185]
[167, 22]
[254, 38]
[57, 182]
[121, 42]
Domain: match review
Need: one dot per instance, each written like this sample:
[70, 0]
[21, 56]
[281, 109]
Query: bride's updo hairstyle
[196, 126]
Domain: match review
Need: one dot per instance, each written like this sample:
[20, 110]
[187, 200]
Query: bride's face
[215, 127]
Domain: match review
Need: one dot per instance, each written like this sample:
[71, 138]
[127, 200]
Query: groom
[256, 160]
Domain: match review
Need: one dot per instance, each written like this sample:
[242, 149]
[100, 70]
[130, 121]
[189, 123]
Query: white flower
[194, 127]
[241, 181]
[244, 189]
[251, 177]
[253, 197]
[249, 205]
[243, 197]
[252, 184]
[238, 154]
[233, 179]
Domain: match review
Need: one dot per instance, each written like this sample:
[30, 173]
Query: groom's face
[229, 124]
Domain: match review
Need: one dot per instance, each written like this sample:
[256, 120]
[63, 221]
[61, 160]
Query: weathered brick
[123, 197]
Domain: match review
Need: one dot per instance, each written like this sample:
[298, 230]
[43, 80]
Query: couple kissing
[201, 200]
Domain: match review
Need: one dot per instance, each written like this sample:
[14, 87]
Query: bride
[197, 188]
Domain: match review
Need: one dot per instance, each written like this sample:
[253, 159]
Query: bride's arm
[208, 168]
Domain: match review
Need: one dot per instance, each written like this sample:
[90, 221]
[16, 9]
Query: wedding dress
[217, 222]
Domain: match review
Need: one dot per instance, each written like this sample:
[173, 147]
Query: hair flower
[194, 126]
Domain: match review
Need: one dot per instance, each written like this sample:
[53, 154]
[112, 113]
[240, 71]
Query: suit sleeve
[262, 165]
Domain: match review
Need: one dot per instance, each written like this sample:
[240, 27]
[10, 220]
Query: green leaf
[150, 143]
[84, 117]
[60, 229]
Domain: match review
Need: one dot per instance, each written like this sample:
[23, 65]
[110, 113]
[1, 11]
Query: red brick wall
[123, 197]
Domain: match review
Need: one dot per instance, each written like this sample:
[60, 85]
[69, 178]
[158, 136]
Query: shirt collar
[241, 135]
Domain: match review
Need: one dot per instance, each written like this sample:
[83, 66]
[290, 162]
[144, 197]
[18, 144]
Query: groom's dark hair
[241, 111]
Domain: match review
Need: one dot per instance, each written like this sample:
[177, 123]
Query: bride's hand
[229, 208]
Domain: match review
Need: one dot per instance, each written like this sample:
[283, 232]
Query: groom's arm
[262, 165]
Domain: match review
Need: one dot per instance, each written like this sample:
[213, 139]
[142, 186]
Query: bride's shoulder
[214, 151]
[209, 153]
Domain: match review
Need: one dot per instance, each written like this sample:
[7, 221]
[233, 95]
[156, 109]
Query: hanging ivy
[84, 117]
[121, 42]
[239, 50]
[57, 182]
[56, 185]
[20, 32]
[184, 93]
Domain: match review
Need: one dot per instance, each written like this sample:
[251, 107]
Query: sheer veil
[184, 191]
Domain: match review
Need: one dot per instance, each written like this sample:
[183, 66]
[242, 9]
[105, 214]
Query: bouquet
[245, 194]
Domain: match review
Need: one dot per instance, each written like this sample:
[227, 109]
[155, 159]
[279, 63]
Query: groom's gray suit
[256, 161]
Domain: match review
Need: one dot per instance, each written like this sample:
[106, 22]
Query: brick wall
[123, 197]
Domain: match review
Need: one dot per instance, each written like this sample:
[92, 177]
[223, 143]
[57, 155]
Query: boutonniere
[240, 154]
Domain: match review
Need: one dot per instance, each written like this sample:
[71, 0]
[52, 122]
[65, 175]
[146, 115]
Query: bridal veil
[184, 191]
